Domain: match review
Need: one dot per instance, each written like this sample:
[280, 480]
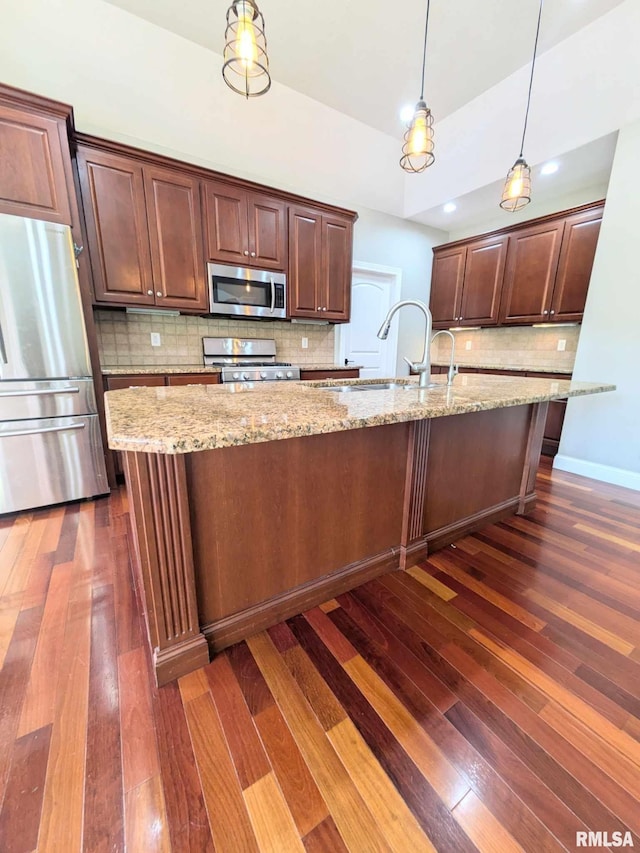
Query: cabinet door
[193, 379]
[579, 241]
[267, 232]
[446, 286]
[483, 276]
[112, 192]
[175, 233]
[305, 263]
[32, 172]
[226, 223]
[336, 268]
[532, 262]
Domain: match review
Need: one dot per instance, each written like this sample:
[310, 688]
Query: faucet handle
[411, 364]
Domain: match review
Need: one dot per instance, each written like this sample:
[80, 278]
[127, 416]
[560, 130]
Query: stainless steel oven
[244, 292]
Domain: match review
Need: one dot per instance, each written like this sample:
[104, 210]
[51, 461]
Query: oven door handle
[273, 295]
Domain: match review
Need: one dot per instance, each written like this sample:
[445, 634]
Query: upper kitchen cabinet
[447, 276]
[175, 233]
[466, 283]
[144, 230]
[244, 227]
[533, 272]
[579, 241]
[532, 263]
[35, 166]
[320, 256]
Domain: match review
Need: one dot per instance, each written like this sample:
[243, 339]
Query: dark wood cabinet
[532, 263]
[144, 231]
[33, 177]
[320, 250]
[579, 241]
[175, 233]
[347, 373]
[193, 379]
[466, 283]
[244, 228]
[534, 272]
[112, 189]
[446, 285]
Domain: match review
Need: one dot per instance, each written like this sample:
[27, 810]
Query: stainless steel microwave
[244, 292]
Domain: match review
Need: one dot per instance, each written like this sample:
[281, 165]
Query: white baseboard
[605, 473]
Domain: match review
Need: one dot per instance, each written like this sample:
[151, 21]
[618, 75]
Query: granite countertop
[151, 369]
[203, 417]
[519, 367]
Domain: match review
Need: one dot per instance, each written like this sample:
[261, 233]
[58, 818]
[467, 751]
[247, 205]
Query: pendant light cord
[533, 65]
[424, 52]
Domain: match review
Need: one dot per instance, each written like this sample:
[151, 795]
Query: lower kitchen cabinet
[329, 374]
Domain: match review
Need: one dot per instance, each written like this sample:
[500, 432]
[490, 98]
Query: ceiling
[363, 59]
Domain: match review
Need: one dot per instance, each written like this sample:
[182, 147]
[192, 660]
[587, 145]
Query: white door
[374, 289]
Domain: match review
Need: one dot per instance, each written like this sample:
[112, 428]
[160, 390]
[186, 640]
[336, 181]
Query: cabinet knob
[149, 292]
[246, 252]
[545, 312]
[253, 254]
[552, 312]
[324, 309]
[158, 293]
[319, 307]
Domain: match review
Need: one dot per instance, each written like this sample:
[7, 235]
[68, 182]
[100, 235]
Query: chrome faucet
[453, 368]
[423, 368]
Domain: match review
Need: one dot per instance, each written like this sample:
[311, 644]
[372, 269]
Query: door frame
[393, 275]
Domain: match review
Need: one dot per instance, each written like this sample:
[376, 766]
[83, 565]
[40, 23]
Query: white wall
[601, 435]
[135, 82]
[394, 242]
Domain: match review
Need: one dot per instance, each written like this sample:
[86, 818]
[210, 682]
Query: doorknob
[348, 361]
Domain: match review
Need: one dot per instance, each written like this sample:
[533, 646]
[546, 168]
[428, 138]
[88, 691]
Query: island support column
[157, 490]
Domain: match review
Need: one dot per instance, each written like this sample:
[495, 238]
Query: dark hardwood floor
[488, 698]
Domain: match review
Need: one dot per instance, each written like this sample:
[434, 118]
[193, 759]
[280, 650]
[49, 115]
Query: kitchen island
[251, 504]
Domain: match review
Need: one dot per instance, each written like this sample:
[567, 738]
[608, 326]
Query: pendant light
[246, 64]
[417, 151]
[517, 188]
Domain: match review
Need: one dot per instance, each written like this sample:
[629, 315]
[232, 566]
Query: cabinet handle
[324, 309]
[158, 293]
[545, 312]
[319, 307]
[246, 252]
[149, 292]
[552, 312]
[253, 254]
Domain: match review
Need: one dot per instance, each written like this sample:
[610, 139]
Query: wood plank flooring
[487, 699]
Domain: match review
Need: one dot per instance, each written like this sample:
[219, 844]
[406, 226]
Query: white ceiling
[363, 59]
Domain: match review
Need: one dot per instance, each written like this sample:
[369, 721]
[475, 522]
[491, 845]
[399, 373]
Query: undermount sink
[372, 386]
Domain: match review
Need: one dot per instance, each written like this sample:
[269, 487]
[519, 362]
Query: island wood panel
[347, 373]
[475, 465]
[310, 506]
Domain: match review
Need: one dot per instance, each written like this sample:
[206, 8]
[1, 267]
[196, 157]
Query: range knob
[246, 376]
[236, 376]
[279, 375]
[289, 374]
[263, 375]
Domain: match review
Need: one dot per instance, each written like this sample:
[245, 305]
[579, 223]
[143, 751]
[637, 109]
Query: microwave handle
[273, 295]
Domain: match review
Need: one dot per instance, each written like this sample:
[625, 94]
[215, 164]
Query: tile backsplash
[124, 340]
[518, 346]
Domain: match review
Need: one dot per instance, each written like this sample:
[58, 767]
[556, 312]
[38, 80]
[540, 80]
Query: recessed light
[449, 207]
[406, 113]
[549, 168]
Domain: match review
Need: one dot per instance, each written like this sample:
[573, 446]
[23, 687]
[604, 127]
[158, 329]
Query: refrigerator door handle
[17, 432]
[45, 393]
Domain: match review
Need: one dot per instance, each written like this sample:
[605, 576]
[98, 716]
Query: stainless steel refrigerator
[50, 443]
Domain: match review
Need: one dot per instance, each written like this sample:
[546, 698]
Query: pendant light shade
[246, 64]
[517, 188]
[417, 151]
